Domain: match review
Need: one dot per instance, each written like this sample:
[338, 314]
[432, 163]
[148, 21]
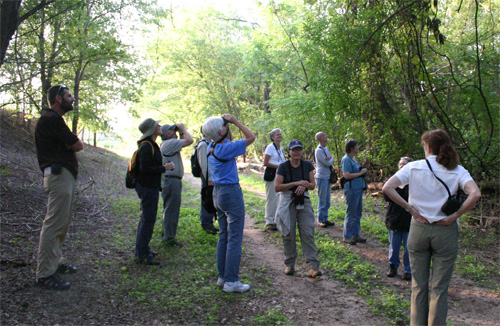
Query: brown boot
[289, 270]
[312, 273]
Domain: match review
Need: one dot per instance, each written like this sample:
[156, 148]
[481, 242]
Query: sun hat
[148, 127]
[165, 128]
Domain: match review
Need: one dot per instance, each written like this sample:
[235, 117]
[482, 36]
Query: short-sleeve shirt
[351, 165]
[295, 174]
[225, 172]
[51, 137]
[276, 155]
[171, 152]
[427, 194]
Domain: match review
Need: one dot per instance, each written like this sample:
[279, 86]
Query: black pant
[149, 209]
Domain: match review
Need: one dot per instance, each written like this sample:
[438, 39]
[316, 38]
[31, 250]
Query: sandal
[52, 282]
[66, 269]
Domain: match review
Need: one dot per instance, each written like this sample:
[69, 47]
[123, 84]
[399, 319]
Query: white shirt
[276, 157]
[427, 194]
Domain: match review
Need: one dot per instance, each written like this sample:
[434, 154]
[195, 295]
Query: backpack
[133, 168]
[195, 164]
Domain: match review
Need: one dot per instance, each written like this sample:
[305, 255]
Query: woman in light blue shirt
[353, 191]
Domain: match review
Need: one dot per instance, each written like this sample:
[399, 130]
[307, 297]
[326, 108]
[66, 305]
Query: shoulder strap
[277, 151]
[444, 184]
[212, 150]
[152, 147]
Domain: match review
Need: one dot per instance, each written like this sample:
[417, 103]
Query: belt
[172, 176]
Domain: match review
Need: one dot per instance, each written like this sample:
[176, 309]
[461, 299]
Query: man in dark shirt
[56, 146]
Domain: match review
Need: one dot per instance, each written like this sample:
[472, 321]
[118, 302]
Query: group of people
[417, 192]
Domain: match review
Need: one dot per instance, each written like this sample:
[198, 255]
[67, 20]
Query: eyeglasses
[61, 87]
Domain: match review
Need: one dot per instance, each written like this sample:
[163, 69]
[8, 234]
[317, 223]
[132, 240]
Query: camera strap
[444, 184]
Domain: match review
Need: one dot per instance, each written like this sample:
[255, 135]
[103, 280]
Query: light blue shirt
[351, 165]
[225, 172]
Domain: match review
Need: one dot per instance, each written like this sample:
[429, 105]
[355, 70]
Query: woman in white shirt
[273, 157]
[433, 239]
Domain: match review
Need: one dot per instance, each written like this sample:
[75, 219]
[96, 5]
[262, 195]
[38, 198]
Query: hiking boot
[328, 223]
[52, 282]
[350, 241]
[321, 224]
[359, 239]
[271, 227]
[210, 229]
[235, 287]
[173, 243]
[220, 282]
[66, 269]
[393, 271]
[406, 276]
[312, 273]
[289, 270]
[147, 261]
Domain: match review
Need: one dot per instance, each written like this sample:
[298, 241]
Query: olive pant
[433, 249]
[60, 190]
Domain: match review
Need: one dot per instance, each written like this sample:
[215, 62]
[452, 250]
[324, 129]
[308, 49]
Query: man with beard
[56, 148]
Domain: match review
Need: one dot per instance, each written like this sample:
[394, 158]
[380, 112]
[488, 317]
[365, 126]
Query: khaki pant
[305, 220]
[60, 190]
[271, 203]
[433, 250]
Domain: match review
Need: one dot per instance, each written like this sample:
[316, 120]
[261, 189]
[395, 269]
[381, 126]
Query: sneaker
[289, 270]
[66, 269]
[359, 239]
[393, 271]
[271, 227]
[350, 241]
[235, 287]
[220, 282]
[173, 243]
[312, 273]
[321, 224]
[328, 223]
[52, 282]
[406, 276]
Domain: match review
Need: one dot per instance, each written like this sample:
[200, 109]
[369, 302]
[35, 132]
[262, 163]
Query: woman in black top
[148, 188]
[293, 179]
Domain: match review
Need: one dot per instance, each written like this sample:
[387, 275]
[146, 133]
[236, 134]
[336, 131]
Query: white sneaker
[220, 281]
[235, 287]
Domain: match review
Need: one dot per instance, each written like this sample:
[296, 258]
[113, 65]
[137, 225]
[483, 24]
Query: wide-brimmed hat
[148, 127]
[295, 143]
[165, 128]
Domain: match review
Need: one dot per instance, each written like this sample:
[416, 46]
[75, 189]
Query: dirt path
[329, 302]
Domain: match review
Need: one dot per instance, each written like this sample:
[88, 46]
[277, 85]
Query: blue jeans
[149, 208]
[206, 218]
[228, 199]
[352, 220]
[324, 199]
[395, 239]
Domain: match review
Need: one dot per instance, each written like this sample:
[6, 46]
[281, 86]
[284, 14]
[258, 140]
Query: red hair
[439, 143]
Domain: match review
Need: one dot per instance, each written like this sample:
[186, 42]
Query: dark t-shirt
[151, 166]
[296, 174]
[51, 137]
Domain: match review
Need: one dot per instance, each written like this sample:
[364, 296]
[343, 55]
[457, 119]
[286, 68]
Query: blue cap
[295, 143]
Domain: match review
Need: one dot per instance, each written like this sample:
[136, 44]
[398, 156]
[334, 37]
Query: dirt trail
[329, 302]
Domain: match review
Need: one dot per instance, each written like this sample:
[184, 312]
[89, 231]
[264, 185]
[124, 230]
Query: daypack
[195, 164]
[133, 168]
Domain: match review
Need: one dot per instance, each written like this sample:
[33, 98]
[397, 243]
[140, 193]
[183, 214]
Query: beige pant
[271, 203]
[60, 190]
[433, 250]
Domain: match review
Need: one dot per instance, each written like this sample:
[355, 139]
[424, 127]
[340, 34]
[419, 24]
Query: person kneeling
[293, 180]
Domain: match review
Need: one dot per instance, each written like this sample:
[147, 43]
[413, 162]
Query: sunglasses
[61, 87]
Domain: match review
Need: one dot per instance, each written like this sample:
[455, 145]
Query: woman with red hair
[433, 238]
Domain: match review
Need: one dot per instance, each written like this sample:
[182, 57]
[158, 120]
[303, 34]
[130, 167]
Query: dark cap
[295, 143]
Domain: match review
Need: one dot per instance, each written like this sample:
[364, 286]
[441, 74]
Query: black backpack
[195, 164]
[133, 168]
